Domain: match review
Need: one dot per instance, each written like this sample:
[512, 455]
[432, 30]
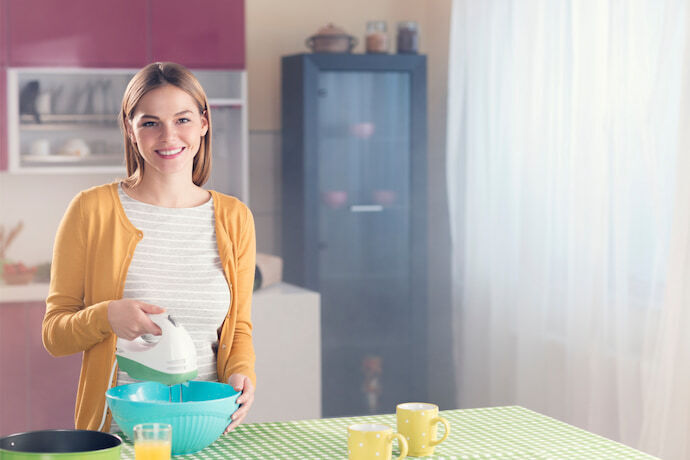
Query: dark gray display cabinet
[354, 220]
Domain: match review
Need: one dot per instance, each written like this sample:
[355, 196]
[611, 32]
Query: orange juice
[152, 450]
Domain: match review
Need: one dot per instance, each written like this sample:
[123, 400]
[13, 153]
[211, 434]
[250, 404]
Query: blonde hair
[151, 77]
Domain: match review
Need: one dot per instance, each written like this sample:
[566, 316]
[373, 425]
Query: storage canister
[408, 37]
[377, 38]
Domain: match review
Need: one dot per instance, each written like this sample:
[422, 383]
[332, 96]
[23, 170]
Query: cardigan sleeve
[242, 357]
[68, 325]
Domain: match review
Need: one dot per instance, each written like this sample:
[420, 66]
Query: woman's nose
[167, 131]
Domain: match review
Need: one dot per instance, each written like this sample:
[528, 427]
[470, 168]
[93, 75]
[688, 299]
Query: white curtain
[571, 263]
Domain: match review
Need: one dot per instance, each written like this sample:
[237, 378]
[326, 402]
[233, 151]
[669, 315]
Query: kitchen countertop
[37, 292]
[33, 292]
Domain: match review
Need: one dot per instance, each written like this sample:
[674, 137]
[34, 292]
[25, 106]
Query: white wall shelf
[83, 104]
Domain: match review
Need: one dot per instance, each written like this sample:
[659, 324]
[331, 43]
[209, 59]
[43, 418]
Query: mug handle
[402, 444]
[445, 435]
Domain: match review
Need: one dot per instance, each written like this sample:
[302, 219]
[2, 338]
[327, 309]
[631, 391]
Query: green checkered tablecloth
[510, 432]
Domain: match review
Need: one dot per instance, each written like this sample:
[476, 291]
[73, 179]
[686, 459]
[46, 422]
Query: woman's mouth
[170, 153]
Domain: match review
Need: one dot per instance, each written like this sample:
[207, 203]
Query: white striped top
[176, 265]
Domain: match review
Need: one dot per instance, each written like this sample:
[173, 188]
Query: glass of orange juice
[152, 441]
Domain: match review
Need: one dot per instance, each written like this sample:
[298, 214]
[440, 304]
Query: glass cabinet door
[60, 118]
[364, 171]
[364, 230]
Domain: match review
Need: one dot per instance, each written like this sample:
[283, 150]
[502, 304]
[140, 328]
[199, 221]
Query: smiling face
[167, 128]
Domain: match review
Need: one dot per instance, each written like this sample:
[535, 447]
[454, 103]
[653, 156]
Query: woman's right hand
[129, 318]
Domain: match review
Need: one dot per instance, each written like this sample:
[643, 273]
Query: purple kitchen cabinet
[37, 391]
[3, 90]
[14, 396]
[207, 35]
[82, 33]
[52, 382]
[3, 118]
[3, 32]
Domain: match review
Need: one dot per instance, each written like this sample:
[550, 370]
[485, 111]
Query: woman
[157, 241]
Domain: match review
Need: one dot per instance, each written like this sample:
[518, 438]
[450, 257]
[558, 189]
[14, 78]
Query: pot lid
[331, 29]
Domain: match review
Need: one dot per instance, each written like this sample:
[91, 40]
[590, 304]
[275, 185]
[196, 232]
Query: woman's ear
[204, 124]
[130, 132]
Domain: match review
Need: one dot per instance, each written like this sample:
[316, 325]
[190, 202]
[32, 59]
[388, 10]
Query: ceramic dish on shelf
[76, 147]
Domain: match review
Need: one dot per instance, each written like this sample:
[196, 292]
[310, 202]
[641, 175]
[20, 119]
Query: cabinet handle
[366, 208]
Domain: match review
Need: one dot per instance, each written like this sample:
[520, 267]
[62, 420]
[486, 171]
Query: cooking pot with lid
[331, 39]
[60, 445]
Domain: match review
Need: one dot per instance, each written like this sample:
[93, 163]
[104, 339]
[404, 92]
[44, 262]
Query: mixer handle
[165, 321]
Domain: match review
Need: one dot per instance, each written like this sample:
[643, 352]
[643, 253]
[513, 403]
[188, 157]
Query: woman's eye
[148, 124]
[183, 120]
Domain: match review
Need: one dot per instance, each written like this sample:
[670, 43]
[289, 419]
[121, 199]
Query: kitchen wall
[40, 200]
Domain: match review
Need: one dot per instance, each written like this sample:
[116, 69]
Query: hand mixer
[169, 360]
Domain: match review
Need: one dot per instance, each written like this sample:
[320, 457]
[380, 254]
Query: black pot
[60, 445]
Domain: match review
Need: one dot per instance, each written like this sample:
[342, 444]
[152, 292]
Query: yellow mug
[417, 422]
[373, 441]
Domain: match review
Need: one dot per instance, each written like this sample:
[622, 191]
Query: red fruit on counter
[17, 268]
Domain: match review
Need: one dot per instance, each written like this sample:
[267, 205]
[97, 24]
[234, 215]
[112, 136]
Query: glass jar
[377, 38]
[408, 37]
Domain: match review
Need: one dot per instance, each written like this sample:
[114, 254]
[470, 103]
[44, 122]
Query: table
[509, 432]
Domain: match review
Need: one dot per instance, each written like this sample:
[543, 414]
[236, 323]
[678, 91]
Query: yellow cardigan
[93, 248]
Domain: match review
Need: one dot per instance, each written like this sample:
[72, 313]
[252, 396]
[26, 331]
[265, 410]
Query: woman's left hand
[241, 382]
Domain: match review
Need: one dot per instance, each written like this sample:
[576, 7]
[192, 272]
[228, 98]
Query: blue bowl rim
[109, 393]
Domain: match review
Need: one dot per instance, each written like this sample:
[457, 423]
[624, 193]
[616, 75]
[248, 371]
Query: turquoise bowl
[198, 412]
